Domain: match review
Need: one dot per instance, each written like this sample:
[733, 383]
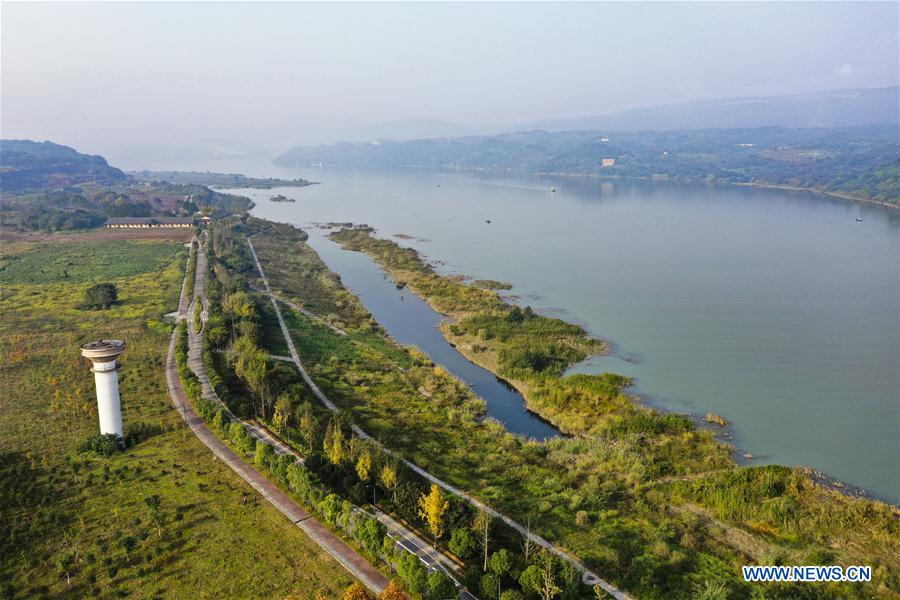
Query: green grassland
[75, 524]
[647, 499]
[80, 261]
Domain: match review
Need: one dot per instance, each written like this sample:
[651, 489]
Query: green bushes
[242, 440]
[100, 296]
[198, 310]
[104, 444]
[191, 271]
[463, 543]
[611, 493]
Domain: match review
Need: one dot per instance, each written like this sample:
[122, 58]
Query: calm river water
[775, 309]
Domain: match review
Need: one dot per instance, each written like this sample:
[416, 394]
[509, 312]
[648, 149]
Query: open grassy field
[647, 499]
[162, 519]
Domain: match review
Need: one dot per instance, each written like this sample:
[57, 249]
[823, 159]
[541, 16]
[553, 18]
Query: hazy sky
[101, 75]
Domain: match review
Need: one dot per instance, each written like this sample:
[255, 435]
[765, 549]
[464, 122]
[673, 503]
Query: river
[775, 309]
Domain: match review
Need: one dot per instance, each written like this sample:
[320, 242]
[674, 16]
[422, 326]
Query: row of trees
[342, 470]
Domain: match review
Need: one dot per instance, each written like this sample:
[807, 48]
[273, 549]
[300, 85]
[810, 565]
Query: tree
[512, 595]
[364, 466]
[238, 305]
[308, 424]
[101, 296]
[489, 585]
[432, 507]
[530, 579]
[528, 545]
[356, 592]
[371, 534]
[388, 479]
[413, 572]
[482, 528]
[154, 507]
[548, 589]
[392, 592]
[331, 508]
[264, 453]
[462, 543]
[334, 444]
[501, 562]
[441, 587]
[251, 365]
[283, 409]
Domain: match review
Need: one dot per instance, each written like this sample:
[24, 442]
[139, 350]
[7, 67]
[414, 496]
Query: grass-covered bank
[163, 518]
[742, 515]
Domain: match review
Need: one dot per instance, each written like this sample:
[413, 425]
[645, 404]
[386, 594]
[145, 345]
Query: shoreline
[738, 457]
[758, 185]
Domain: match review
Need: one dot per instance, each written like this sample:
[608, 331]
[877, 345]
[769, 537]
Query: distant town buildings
[149, 222]
[608, 162]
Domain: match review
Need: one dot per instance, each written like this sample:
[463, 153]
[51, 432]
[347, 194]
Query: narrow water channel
[410, 320]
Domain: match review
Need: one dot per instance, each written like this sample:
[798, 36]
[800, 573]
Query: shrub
[105, 444]
[462, 543]
[101, 295]
[582, 519]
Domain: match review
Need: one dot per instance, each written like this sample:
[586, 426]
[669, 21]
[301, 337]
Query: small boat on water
[553, 190]
[488, 221]
[859, 219]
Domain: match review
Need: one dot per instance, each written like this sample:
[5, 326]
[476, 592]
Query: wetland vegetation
[646, 499]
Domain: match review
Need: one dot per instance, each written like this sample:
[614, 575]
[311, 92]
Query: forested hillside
[31, 165]
[45, 186]
[857, 161]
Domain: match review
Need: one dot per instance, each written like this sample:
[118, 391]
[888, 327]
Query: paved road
[345, 555]
[588, 576]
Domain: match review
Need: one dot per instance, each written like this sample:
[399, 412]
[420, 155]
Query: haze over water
[777, 310]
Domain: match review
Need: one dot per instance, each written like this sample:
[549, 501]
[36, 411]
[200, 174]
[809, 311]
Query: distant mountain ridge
[834, 108]
[25, 164]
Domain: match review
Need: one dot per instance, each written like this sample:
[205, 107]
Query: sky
[103, 75]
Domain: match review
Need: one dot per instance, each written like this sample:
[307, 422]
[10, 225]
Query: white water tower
[102, 354]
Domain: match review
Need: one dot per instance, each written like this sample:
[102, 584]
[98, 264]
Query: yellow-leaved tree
[364, 465]
[432, 507]
[356, 592]
[389, 479]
